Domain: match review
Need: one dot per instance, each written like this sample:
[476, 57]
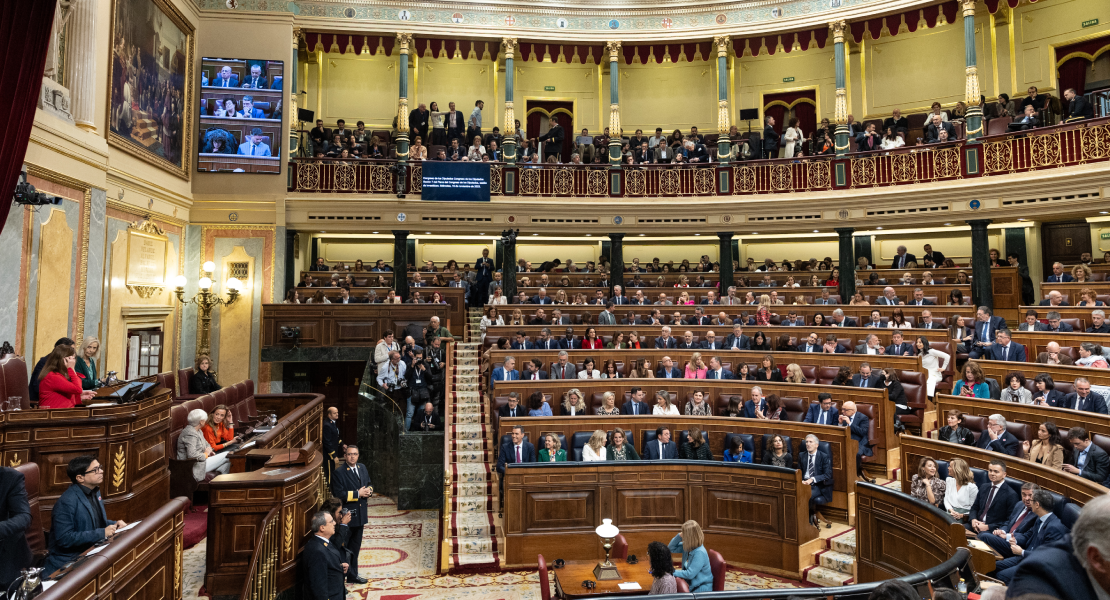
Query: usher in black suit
[345, 483]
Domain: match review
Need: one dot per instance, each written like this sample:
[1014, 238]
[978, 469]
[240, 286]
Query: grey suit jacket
[606, 318]
[191, 445]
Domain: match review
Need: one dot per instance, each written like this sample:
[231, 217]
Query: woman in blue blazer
[695, 560]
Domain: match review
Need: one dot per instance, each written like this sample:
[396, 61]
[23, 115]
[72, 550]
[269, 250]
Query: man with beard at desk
[351, 484]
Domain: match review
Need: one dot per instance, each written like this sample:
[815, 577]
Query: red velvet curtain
[1073, 74]
[24, 35]
[807, 117]
[535, 119]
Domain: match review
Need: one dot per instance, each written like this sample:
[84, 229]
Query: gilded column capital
[508, 44]
[721, 42]
[614, 49]
[839, 28]
[404, 39]
[298, 35]
[969, 8]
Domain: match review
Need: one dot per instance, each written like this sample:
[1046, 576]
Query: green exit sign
[1090, 23]
[787, 79]
[1105, 236]
[551, 88]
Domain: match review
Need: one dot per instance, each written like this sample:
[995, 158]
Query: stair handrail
[448, 389]
[261, 582]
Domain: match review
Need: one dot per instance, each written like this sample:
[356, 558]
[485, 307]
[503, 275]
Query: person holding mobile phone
[351, 484]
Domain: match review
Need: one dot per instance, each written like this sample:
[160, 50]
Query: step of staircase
[834, 565]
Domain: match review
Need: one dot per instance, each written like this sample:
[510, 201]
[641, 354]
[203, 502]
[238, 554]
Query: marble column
[981, 292]
[839, 28]
[847, 286]
[509, 131]
[616, 259]
[401, 263]
[614, 48]
[725, 259]
[974, 117]
[403, 42]
[80, 75]
[723, 122]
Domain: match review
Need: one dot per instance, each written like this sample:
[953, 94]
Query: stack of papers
[629, 586]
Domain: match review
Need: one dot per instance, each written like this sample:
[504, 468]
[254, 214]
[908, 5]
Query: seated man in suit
[533, 370]
[1098, 322]
[563, 368]
[540, 318]
[1028, 120]
[986, 325]
[1053, 356]
[896, 121]
[1088, 460]
[513, 408]
[792, 319]
[717, 370]
[665, 341]
[919, 298]
[695, 152]
[871, 346]
[662, 448]
[1074, 569]
[520, 343]
[993, 502]
[823, 412]
[506, 372]
[996, 437]
[932, 131]
[825, 298]
[688, 342]
[866, 378]
[811, 344]
[78, 518]
[250, 111]
[927, 322]
[1020, 521]
[667, 370]
[711, 342]
[839, 320]
[869, 140]
[737, 340]
[568, 341]
[1005, 350]
[860, 425]
[1032, 322]
[541, 297]
[1048, 529]
[636, 405]
[1055, 298]
[225, 79]
[517, 450]
[816, 467]
[1055, 323]
[898, 347]
[630, 319]
[754, 408]
[256, 80]
[889, 297]
[699, 317]
[254, 145]
[323, 561]
[558, 318]
[1076, 107]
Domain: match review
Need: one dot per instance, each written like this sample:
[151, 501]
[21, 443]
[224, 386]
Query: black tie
[987, 506]
[810, 469]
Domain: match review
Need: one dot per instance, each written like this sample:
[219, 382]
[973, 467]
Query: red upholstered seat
[719, 567]
[826, 375]
[166, 380]
[251, 409]
[681, 586]
[36, 539]
[13, 377]
[545, 582]
[620, 548]
[231, 394]
[913, 382]
[191, 405]
[208, 403]
[249, 384]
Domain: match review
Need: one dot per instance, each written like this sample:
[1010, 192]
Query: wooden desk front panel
[997, 369]
[1035, 341]
[648, 333]
[883, 409]
[860, 313]
[752, 516]
[350, 325]
[1026, 414]
[841, 444]
[130, 441]
[914, 448]
[239, 503]
[897, 535]
[208, 161]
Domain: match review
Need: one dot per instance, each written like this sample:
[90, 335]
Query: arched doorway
[538, 112]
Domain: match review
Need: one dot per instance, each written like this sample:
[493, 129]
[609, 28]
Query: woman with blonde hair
[663, 404]
[695, 560]
[517, 318]
[696, 368]
[684, 299]
[219, 431]
[959, 489]
[573, 404]
[552, 450]
[794, 374]
[86, 362]
[1081, 273]
[695, 446]
[763, 313]
[608, 405]
[683, 282]
[594, 450]
[497, 298]
[561, 297]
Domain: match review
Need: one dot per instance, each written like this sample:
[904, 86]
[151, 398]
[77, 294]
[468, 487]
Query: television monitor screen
[240, 116]
[455, 181]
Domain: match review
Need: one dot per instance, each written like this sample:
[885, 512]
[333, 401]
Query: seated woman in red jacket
[59, 384]
[218, 431]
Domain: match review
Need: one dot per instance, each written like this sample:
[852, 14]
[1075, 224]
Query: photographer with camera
[392, 380]
[408, 350]
[434, 331]
[437, 363]
[427, 420]
[420, 383]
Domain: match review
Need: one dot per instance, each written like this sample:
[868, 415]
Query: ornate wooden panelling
[347, 325]
[897, 535]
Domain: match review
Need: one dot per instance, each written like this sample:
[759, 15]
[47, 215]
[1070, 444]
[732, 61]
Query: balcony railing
[1015, 152]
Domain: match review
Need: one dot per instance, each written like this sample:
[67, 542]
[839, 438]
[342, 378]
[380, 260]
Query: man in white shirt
[385, 345]
[873, 346]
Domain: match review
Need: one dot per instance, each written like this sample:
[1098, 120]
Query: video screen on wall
[240, 116]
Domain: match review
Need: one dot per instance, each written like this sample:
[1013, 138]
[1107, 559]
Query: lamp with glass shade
[606, 571]
[206, 300]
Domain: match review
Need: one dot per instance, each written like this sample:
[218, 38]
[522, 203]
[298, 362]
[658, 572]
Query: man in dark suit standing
[454, 122]
[1005, 350]
[351, 484]
[418, 122]
[661, 448]
[986, 325]
[935, 255]
[993, 502]
[554, 140]
[1077, 107]
[770, 139]
[1083, 398]
[865, 378]
[636, 405]
[483, 269]
[1047, 530]
[78, 517]
[902, 259]
[1072, 568]
[322, 564]
[996, 438]
[15, 518]
[1088, 460]
[823, 412]
[333, 443]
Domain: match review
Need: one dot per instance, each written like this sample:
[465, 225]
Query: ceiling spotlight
[1103, 212]
[878, 228]
[755, 233]
[697, 234]
[535, 234]
[819, 231]
[373, 232]
[642, 234]
[427, 233]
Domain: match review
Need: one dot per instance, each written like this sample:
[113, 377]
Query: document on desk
[247, 445]
[97, 549]
[629, 586]
[100, 404]
[129, 526]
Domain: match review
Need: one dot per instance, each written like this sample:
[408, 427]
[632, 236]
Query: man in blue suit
[1047, 530]
[78, 518]
[717, 370]
[636, 405]
[1005, 350]
[1057, 325]
[662, 448]
[256, 80]
[1021, 519]
[505, 372]
[568, 341]
[824, 412]
[225, 78]
[860, 425]
[898, 346]
[993, 502]
[249, 111]
[1058, 274]
[667, 370]
[997, 438]
[323, 566]
[520, 343]
[514, 451]
[754, 407]
[1074, 567]
[254, 145]
[816, 470]
[483, 275]
[986, 325]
